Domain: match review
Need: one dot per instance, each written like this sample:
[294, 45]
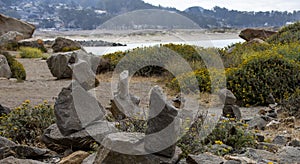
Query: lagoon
[202, 43]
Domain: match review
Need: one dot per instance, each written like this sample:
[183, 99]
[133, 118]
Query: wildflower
[231, 119]
[270, 162]
[213, 115]
[15, 129]
[45, 102]
[219, 142]
[245, 125]
[27, 101]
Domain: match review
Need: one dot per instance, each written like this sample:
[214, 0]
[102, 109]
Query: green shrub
[16, 67]
[287, 34]
[231, 133]
[262, 74]
[28, 52]
[292, 104]
[228, 132]
[25, 124]
[203, 82]
[153, 56]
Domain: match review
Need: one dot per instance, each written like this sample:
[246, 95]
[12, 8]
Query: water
[203, 43]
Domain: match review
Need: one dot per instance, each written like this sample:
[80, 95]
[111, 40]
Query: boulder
[289, 155]
[119, 148]
[11, 24]
[206, 158]
[63, 45]
[294, 143]
[240, 159]
[75, 109]
[5, 142]
[59, 63]
[90, 159]
[227, 97]
[250, 34]
[21, 151]
[4, 68]
[232, 111]
[163, 126]
[268, 146]
[10, 40]
[258, 123]
[13, 160]
[76, 157]
[104, 66]
[124, 104]
[4, 110]
[259, 155]
[81, 140]
[281, 139]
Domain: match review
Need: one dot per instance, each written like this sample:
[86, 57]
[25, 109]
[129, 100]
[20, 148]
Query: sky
[241, 5]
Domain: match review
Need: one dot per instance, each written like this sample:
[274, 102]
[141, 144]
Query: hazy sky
[242, 5]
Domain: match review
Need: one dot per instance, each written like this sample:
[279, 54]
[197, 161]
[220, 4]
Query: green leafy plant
[25, 124]
[28, 52]
[287, 34]
[16, 67]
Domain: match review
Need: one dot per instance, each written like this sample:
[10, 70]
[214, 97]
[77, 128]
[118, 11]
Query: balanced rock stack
[125, 104]
[230, 108]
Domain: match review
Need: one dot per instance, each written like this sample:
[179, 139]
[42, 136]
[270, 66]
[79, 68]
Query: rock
[232, 162]
[294, 143]
[240, 159]
[259, 137]
[124, 104]
[268, 147]
[10, 40]
[21, 151]
[83, 74]
[257, 123]
[63, 45]
[4, 110]
[5, 142]
[90, 159]
[54, 140]
[250, 34]
[259, 155]
[227, 97]
[232, 111]
[119, 148]
[256, 41]
[126, 143]
[8, 24]
[33, 43]
[179, 101]
[74, 158]
[163, 126]
[4, 68]
[281, 140]
[104, 66]
[75, 109]
[59, 63]
[289, 155]
[206, 158]
[273, 125]
[13, 160]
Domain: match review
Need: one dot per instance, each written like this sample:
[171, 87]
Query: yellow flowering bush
[231, 133]
[25, 124]
[287, 34]
[260, 75]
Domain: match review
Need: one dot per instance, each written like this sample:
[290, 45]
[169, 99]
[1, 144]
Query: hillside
[89, 14]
